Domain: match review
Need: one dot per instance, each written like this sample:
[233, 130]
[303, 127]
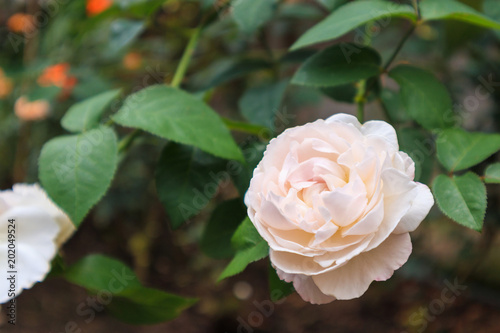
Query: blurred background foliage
[56, 53]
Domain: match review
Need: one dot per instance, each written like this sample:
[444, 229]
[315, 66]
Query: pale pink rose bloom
[336, 201]
[40, 229]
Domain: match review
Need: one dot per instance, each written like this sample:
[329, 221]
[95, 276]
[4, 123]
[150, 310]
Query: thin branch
[258, 130]
[399, 47]
[187, 56]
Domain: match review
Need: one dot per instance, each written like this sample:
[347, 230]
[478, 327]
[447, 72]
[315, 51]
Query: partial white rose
[40, 229]
[336, 201]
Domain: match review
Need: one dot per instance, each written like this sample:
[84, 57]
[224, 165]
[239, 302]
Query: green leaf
[58, 30]
[96, 272]
[147, 306]
[278, 288]
[250, 247]
[245, 236]
[491, 8]
[121, 292]
[394, 106]
[176, 115]
[298, 56]
[492, 174]
[89, 84]
[85, 115]
[454, 10]
[260, 104]
[252, 14]
[206, 4]
[331, 5]
[141, 8]
[124, 4]
[347, 92]
[426, 99]
[243, 258]
[462, 198]
[419, 145]
[77, 170]
[344, 93]
[303, 96]
[186, 180]
[351, 16]
[227, 70]
[216, 239]
[339, 65]
[48, 94]
[122, 33]
[459, 150]
[300, 11]
[244, 171]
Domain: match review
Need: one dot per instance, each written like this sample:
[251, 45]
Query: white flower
[336, 201]
[40, 229]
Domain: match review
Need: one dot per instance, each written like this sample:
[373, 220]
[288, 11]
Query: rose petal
[293, 263]
[369, 223]
[346, 204]
[336, 258]
[306, 288]
[344, 118]
[3, 206]
[352, 280]
[294, 240]
[398, 197]
[33, 195]
[272, 217]
[419, 209]
[381, 129]
[36, 232]
[404, 163]
[324, 233]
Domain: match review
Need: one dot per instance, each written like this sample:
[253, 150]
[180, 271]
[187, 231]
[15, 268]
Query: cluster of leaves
[422, 97]
[199, 151]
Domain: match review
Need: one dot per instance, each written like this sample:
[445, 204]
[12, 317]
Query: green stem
[258, 130]
[180, 72]
[360, 100]
[361, 112]
[385, 110]
[127, 141]
[187, 56]
[399, 47]
[417, 8]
